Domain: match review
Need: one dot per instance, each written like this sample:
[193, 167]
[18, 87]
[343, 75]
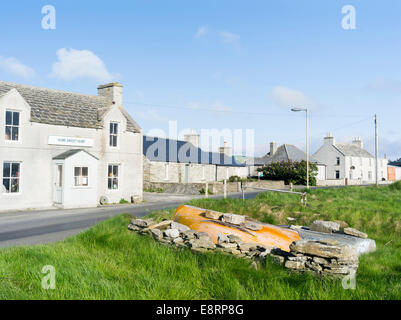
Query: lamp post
[307, 143]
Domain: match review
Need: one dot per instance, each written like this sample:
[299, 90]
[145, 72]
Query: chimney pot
[273, 148]
[113, 92]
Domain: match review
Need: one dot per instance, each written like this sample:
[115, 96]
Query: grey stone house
[177, 161]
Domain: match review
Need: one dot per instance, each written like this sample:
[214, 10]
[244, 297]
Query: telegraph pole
[307, 150]
[376, 151]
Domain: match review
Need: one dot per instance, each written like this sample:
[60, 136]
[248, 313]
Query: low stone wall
[324, 257]
[176, 188]
[213, 187]
[269, 184]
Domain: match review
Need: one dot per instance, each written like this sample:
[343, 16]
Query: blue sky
[222, 64]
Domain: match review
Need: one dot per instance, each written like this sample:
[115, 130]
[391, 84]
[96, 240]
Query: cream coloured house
[67, 149]
[350, 162]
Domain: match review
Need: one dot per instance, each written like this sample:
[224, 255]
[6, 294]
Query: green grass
[110, 262]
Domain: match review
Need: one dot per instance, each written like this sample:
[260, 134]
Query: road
[46, 226]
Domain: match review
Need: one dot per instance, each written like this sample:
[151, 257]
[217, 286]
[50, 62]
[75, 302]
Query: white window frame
[81, 177]
[4, 191]
[12, 125]
[112, 177]
[114, 134]
[338, 161]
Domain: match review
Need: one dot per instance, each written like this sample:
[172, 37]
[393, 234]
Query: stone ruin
[324, 256]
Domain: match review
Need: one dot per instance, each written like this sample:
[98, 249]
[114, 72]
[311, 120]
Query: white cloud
[73, 64]
[13, 66]
[202, 31]
[229, 37]
[286, 98]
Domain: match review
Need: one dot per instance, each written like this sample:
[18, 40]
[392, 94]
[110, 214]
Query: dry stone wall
[324, 257]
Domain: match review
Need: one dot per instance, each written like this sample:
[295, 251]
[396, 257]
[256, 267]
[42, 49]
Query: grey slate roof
[352, 150]
[396, 163]
[169, 150]
[70, 153]
[286, 152]
[65, 108]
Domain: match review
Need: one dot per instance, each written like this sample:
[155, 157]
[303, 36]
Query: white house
[350, 162]
[67, 149]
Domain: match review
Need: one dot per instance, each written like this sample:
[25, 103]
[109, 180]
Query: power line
[343, 127]
[211, 109]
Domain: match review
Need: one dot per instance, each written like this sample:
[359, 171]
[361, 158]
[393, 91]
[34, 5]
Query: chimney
[273, 148]
[113, 92]
[329, 140]
[193, 138]
[358, 142]
[228, 151]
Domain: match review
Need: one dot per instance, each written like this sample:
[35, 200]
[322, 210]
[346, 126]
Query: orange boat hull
[269, 235]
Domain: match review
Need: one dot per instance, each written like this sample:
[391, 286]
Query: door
[58, 184]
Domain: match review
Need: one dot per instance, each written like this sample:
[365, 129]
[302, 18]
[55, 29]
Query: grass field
[110, 262]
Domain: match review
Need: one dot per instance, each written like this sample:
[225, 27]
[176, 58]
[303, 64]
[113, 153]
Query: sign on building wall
[70, 141]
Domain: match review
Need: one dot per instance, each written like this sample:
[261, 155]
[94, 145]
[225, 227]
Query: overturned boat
[248, 230]
[251, 231]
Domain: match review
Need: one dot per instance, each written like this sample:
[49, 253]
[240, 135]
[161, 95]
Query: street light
[307, 143]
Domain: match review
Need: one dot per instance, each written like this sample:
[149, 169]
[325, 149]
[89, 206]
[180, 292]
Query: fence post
[243, 194]
[207, 190]
[225, 188]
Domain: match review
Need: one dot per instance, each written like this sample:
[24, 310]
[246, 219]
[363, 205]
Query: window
[113, 177]
[81, 176]
[11, 177]
[370, 175]
[338, 161]
[12, 125]
[337, 174]
[113, 134]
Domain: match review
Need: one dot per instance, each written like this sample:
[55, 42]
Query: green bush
[290, 171]
[203, 191]
[234, 179]
[396, 186]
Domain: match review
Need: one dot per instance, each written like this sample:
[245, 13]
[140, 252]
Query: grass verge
[110, 262]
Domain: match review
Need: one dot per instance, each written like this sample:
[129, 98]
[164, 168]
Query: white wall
[328, 155]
